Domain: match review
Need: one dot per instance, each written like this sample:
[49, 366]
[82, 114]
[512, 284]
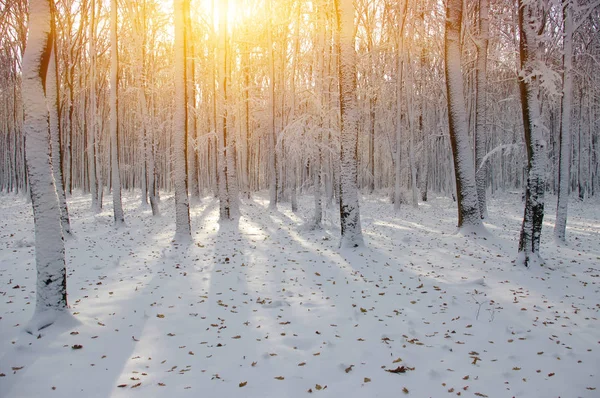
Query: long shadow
[123, 285]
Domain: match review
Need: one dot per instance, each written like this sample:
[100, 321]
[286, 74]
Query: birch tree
[462, 155]
[51, 292]
[349, 206]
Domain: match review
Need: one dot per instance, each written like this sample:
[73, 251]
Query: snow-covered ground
[274, 309]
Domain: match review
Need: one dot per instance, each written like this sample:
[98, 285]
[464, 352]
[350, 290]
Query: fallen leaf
[77, 346]
[279, 377]
[399, 369]
[243, 383]
[367, 380]
[160, 315]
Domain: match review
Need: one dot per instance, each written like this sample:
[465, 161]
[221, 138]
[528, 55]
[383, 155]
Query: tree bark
[480, 106]
[182, 206]
[564, 160]
[53, 95]
[531, 17]
[51, 295]
[349, 206]
[462, 155]
[119, 217]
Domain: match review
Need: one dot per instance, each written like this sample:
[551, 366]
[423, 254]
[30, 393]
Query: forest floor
[272, 308]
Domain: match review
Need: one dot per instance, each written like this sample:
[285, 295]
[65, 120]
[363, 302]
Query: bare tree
[532, 19]
[349, 206]
[182, 206]
[53, 96]
[51, 295]
[468, 208]
[119, 217]
[480, 104]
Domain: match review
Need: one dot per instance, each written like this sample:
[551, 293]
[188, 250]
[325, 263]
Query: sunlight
[236, 12]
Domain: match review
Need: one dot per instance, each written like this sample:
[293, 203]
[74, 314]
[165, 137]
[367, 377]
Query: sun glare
[213, 10]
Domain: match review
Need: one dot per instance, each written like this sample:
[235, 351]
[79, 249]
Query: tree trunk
[51, 295]
[480, 105]
[91, 122]
[53, 95]
[462, 155]
[349, 205]
[397, 161]
[529, 242]
[564, 162]
[182, 207]
[119, 217]
[223, 157]
[273, 134]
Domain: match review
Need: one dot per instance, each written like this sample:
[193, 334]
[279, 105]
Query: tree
[480, 105]
[349, 206]
[92, 142]
[182, 206]
[273, 178]
[532, 19]
[53, 96]
[462, 155]
[51, 294]
[119, 218]
[401, 16]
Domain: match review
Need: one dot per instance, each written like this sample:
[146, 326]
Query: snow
[278, 306]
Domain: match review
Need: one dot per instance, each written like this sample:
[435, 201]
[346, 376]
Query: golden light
[214, 9]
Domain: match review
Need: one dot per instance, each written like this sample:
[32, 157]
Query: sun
[237, 12]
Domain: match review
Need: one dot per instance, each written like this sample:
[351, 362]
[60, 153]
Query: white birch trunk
[51, 294]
